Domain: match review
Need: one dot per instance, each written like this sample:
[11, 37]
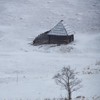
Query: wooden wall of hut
[60, 39]
[44, 38]
[41, 39]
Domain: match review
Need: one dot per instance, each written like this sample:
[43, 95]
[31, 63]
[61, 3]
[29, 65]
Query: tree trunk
[69, 90]
[69, 94]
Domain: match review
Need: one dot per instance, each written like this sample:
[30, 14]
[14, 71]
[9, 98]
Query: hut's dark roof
[58, 30]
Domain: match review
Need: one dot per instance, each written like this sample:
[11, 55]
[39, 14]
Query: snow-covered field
[26, 71]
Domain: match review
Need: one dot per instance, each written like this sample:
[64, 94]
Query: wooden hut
[57, 35]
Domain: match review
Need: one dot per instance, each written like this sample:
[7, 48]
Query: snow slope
[26, 71]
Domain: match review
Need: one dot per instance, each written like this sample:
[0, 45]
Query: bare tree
[68, 80]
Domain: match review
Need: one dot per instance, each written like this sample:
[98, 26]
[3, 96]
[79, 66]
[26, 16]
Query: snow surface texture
[26, 71]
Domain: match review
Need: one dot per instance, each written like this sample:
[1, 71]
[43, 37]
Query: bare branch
[67, 79]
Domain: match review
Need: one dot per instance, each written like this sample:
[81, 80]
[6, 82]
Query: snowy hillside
[26, 71]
